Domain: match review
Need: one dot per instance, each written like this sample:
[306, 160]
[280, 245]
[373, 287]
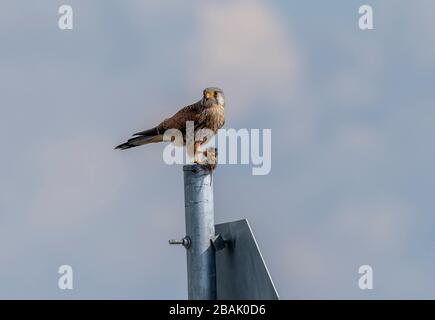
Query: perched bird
[207, 113]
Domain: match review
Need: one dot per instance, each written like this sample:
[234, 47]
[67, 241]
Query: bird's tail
[140, 140]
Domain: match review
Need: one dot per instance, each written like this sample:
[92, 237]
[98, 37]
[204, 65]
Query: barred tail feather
[138, 141]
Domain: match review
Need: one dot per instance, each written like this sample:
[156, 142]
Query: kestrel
[207, 113]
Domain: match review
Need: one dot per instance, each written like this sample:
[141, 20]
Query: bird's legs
[196, 145]
[207, 158]
[212, 158]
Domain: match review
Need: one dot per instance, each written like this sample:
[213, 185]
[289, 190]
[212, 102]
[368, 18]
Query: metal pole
[201, 265]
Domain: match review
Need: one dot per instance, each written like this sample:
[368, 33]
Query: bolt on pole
[199, 210]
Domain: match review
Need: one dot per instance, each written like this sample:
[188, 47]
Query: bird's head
[213, 96]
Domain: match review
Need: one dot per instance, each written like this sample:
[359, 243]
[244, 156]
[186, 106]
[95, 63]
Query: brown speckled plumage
[207, 113]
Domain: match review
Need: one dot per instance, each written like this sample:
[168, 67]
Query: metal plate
[241, 273]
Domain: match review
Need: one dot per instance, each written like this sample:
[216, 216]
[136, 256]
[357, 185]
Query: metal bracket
[218, 242]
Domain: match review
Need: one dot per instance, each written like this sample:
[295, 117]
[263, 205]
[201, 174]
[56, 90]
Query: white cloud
[360, 140]
[243, 47]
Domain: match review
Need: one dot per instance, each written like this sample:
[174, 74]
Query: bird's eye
[215, 93]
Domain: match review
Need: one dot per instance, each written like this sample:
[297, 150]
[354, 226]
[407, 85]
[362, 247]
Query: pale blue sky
[351, 114]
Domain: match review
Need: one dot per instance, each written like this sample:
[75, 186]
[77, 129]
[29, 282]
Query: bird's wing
[178, 120]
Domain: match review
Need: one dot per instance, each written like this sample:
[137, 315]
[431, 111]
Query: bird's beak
[207, 95]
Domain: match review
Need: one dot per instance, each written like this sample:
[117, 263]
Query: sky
[351, 114]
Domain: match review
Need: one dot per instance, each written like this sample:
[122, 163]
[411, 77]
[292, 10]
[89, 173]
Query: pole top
[195, 168]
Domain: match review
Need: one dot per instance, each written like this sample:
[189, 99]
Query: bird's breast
[214, 118]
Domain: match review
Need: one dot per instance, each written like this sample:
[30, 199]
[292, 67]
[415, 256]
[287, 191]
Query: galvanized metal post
[201, 264]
